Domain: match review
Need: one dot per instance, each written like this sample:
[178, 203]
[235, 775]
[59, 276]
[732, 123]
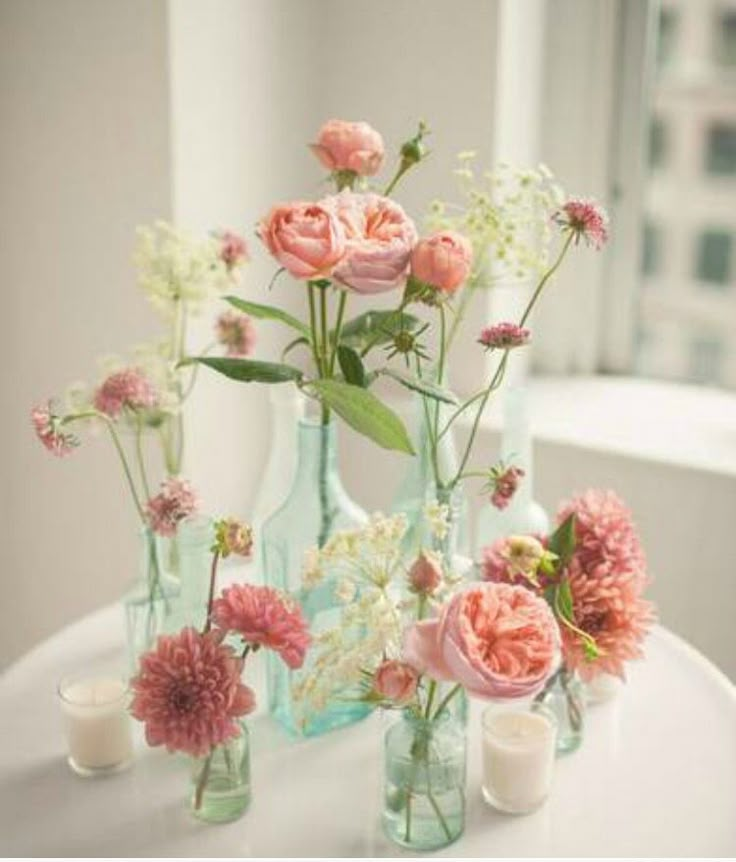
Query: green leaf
[564, 601]
[364, 413]
[562, 541]
[248, 370]
[376, 326]
[268, 312]
[431, 390]
[351, 365]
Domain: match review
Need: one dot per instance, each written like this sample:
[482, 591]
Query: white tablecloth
[656, 775]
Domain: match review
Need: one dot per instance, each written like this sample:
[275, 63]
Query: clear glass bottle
[424, 781]
[150, 601]
[564, 696]
[316, 508]
[221, 785]
[195, 537]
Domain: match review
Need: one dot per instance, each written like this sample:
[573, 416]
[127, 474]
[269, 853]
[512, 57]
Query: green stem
[433, 802]
[338, 328]
[459, 411]
[430, 698]
[202, 783]
[126, 468]
[462, 307]
[445, 700]
[397, 312]
[313, 328]
[211, 596]
[402, 169]
[139, 455]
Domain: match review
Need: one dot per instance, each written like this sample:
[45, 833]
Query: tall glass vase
[316, 508]
[150, 601]
[195, 537]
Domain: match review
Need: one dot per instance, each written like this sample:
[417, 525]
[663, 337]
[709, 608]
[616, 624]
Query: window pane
[706, 358]
[725, 37]
[651, 242]
[657, 142]
[666, 37]
[713, 262]
[721, 151]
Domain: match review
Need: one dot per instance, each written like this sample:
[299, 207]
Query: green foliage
[351, 366]
[375, 328]
[248, 370]
[269, 312]
[416, 384]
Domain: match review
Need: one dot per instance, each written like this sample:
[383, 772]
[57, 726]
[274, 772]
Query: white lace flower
[438, 518]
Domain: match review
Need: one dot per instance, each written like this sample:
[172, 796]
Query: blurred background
[118, 112]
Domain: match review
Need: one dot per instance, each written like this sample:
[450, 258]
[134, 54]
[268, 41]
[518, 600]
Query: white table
[656, 775]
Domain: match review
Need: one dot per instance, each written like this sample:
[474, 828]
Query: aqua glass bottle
[316, 508]
[195, 538]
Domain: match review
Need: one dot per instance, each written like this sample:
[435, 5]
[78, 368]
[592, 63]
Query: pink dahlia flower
[504, 336]
[264, 617]
[188, 692]
[380, 239]
[126, 388]
[442, 260]
[585, 219]
[233, 249]
[496, 640]
[349, 146]
[176, 500]
[236, 333]
[49, 431]
[504, 481]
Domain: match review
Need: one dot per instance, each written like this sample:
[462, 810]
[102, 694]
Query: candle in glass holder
[518, 758]
[97, 723]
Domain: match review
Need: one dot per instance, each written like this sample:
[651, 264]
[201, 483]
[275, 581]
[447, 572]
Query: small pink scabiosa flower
[236, 333]
[395, 681]
[516, 560]
[425, 574]
[496, 640]
[502, 483]
[264, 617]
[188, 692]
[442, 260]
[176, 500]
[233, 537]
[504, 336]
[233, 249]
[342, 145]
[584, 219]
[50, 432]
[128, 387]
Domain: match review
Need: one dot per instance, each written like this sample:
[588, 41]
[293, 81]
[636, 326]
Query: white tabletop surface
[656, 776]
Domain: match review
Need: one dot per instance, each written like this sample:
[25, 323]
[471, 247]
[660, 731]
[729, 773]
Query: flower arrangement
[188, 690]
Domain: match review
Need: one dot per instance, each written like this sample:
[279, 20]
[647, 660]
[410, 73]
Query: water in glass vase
[221, 789]
[316, 508]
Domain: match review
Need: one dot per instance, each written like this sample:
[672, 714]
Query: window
[667, 36]
[713, 261]
[650, 249]
[657, 143]
[721, 149]
[725, 37]
[706, 358]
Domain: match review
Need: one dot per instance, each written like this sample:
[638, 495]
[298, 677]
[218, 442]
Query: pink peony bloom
[188, 692]
[49, 431]
[395, 680]
[233, 537]
[236, 332]
[607, 575]
[307, 239]
[126, 388]
[504, 336]
[380, 237]
[442, 260]
[264, 617]
[496, 640]
[176, 500]
[345, 146]
[425, 574]
[504, 482]
[586, 219]
[233, 249]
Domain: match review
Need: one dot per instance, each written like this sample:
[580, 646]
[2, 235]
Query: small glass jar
[221, 789]
[424, 781]
[94, 705]
[564, 696]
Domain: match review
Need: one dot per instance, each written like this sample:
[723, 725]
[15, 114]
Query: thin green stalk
[139, 455]
[460, 410]
[546, 277]
[433, 802]
[126, 468]
[462, 307]
[338, 328]
[430, 698]
[325, 333]
[402, 169]
[211, 595]
[445, 700]
[389, 322]
[313, 327]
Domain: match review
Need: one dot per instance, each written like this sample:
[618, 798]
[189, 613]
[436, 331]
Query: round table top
[654, 777]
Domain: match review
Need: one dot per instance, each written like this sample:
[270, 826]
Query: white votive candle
[97, 724]
[518, 758]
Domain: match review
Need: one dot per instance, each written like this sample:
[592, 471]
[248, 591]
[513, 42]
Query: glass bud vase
[424, 781]
[564, 695]
[195, 537]
[316, 508]
[151, 600]
[221, 788]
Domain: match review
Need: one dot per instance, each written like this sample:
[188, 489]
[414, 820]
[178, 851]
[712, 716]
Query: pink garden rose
[307, 239]
[395, 680]
[346, 146]
[442, 260]
[380, 237]
[496, 640]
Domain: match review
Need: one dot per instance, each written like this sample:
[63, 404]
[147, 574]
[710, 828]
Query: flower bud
[395, 680]
[425, 574]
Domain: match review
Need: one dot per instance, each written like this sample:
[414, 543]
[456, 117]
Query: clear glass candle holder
[519, 746]
[94, 707]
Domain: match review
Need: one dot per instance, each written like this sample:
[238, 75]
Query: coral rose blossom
[188, 692]
[347, 146]
[496, 640]
[264, 617]
[380, 237]
[442, 260]
[307, 239]
[395, 680]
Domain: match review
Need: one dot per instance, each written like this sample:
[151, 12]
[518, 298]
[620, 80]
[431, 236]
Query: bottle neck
[317, 450]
